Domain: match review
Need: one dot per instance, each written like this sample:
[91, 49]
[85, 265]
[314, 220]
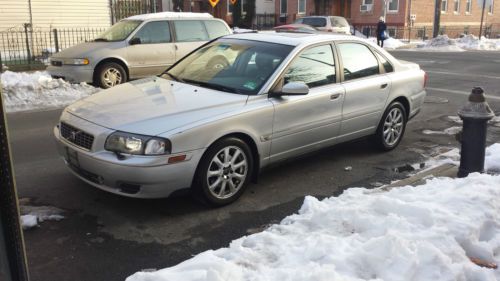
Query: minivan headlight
[122, 142]
[82, 61]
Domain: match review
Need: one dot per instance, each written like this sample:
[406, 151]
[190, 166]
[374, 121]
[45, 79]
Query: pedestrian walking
[381, 34]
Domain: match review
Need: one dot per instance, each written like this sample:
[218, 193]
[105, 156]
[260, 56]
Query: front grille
[77, 137]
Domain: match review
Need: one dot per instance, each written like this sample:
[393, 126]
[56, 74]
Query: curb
[445, 170]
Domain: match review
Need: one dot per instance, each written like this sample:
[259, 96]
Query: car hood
[84, 49]
[154, 105]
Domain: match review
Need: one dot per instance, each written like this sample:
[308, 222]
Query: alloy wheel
[393, 126]
[227, 172]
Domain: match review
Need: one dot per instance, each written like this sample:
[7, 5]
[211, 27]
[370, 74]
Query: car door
[189, 35]
[308, 122]
[366, 90]
[154, 52]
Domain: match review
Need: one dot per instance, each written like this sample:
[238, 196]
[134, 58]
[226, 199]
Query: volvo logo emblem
[72, 135]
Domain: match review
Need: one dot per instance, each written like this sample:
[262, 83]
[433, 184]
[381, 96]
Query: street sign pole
[13, 266]
[482, 17]
[437, 18]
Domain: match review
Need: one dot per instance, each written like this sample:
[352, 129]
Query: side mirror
[135, 41]
[295, 89]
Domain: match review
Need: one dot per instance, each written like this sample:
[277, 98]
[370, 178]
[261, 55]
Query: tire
[392, 127]
[217, 182]
[110, 74]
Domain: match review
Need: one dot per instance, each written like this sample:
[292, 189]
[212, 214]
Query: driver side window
[154, 32]
[314, 66]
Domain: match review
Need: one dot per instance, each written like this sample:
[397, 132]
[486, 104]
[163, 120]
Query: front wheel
[110, 74]
[392, 127]
[224, 172]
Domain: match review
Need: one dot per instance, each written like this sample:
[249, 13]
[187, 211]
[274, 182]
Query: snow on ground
[37, 90]
[32, 215]
[429, 232]
[449, 131]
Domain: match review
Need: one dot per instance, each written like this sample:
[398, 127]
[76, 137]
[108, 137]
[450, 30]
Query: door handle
[334, 96]
[383, 86]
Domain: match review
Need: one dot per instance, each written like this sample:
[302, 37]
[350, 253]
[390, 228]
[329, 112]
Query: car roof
[171, 15]
[292, 39]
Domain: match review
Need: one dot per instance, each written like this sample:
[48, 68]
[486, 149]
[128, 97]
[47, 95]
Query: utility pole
[437, 18]
[482, 17]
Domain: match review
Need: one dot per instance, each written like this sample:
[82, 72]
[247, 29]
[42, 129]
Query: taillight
[425, 79]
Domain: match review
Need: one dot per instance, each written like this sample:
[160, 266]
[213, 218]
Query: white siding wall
[55, 13]
[13, 13]
[70, 13]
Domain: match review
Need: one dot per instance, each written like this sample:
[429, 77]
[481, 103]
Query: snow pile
[390, 43]
[430, 232]
[492, 159]
[441, 43]
[32, 215]
[471, 42]
[38, 90]
[449, 131]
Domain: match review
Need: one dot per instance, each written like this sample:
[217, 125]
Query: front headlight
[122, 142]
[83, 61]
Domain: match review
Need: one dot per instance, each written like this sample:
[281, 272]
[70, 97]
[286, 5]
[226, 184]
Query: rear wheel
[392, 127]
[224, 172]
[110, 74]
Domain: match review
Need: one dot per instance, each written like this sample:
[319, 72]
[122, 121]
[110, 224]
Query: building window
[367, 2]
[230, 7]
[393, 6]
[490, 11]
[456, 6]
[444, 6]
[283, 6]
[468, 6]
[302, 6]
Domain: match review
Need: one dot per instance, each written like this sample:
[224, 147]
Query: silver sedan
[213, 120]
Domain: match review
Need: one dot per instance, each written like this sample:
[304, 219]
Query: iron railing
[27, 48]
[121, 9]
[264, 21]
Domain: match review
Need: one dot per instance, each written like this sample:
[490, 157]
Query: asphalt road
[107, 237]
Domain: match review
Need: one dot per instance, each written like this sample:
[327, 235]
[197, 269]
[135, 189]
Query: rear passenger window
[358, 61]
[154, 32]
[387, 65]
[314, 66]
[216, 29]
[190, 31]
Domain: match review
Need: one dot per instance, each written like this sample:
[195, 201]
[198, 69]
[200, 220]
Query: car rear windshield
[230, 65]
[316, 22]
[119, 31]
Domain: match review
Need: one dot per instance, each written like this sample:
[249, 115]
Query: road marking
[463, 74]
[464, 93]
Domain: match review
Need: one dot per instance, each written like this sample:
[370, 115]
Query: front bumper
[72, 73]
[135, 176]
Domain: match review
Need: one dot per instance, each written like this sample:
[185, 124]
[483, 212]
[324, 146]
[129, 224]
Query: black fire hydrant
[475, 115]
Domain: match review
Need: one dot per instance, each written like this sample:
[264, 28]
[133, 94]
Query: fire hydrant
[475, 115]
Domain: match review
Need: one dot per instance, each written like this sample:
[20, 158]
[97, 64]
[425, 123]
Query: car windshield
[230, 65]
[119, 31]
[316, 22]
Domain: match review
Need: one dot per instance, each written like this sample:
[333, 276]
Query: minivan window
[190, 31]
[216, 29]
[119, 31]
[315, 67]
[316, 22]
[154, 32]
[338, 22]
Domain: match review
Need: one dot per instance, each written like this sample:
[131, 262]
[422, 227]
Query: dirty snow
[28, 221]
[31, 216]
[39, 91]
[429, 232]
[449, 131]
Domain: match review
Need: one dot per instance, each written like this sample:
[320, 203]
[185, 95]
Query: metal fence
[264, 21]
[425, 32]
[27, 48]
[121, 9]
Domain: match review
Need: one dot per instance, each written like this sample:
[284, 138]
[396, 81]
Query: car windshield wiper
[101, 40]
[173, 76]
[214, 86]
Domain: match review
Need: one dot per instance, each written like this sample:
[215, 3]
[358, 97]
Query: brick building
[288, 11]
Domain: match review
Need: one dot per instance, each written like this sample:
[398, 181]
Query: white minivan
[136, 47]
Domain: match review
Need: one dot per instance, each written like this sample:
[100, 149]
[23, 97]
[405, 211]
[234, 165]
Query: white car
[273, 96]
[333, 24]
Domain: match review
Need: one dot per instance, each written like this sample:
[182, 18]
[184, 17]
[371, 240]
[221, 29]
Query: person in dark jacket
[381, 27]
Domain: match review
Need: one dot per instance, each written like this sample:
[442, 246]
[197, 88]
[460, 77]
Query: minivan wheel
[392, 127]
[224, 171]
[110, 74]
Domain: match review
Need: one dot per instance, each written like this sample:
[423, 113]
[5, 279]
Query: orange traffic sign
[213, 2]
[233, 2]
